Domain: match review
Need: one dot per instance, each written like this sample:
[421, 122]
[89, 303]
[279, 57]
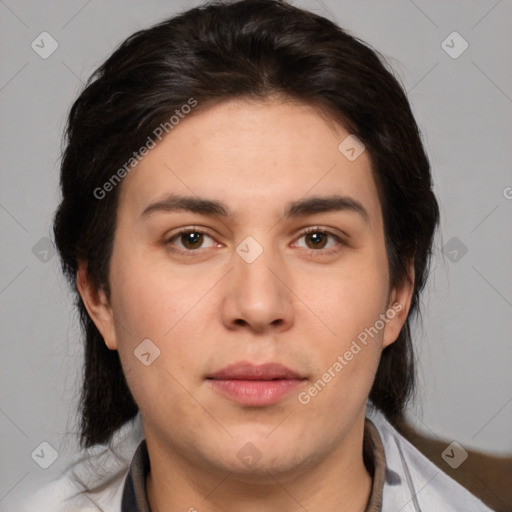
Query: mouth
[255, 385]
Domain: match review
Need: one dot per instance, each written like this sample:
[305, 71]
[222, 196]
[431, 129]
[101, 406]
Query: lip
[255, 385]
[248, 371]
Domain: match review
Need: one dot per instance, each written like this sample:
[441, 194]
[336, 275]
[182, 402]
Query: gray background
[463, 106]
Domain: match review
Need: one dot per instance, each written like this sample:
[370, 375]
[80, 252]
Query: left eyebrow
[314, 205]
[302, 207]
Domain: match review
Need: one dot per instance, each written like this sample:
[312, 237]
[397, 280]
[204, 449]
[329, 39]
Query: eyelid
[314, 229]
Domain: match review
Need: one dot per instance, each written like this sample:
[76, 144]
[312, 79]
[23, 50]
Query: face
[284, 266]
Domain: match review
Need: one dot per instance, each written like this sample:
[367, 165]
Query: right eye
[191, 239]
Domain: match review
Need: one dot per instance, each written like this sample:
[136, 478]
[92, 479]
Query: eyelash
[311, 252]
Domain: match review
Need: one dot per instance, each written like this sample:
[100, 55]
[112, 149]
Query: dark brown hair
[221, 50]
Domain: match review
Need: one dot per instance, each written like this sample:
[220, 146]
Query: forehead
[254, 156]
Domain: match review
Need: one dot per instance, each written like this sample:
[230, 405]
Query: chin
[256, 459]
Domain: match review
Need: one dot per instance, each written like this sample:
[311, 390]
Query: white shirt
[413, 483]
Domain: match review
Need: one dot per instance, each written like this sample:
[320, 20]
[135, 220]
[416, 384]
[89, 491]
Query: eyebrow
[301, 207]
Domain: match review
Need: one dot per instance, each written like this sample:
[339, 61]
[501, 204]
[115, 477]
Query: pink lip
[252, 385]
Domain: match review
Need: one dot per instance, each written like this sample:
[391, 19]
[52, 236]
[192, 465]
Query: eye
[317, 241]
[191, 239]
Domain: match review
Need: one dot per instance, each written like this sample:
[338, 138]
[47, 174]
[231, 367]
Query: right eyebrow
[173, 203]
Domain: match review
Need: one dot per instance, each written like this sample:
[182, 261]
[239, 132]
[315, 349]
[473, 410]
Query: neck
[337, 481]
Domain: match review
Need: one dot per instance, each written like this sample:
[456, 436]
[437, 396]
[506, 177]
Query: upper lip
[249, 371]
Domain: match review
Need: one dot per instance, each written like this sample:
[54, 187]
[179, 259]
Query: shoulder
[415, 483]
[94, 480]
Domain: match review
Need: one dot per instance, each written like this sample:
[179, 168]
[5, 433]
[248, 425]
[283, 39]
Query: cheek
[149, 307]
[149, 298]
[157, 345]
[349, 304]
[348, 300]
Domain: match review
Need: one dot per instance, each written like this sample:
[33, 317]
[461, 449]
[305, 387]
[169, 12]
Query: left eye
[317, 239]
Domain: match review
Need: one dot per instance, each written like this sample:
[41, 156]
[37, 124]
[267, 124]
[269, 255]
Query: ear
[398, 307]
[97, 306]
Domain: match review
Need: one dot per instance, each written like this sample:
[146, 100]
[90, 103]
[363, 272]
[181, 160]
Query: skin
[296, 304]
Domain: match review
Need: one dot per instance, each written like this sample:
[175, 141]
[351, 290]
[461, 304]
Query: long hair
[217, 51]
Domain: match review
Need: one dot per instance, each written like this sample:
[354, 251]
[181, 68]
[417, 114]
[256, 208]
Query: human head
[251, 49]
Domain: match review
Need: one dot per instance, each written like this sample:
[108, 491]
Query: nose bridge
[257, 293]
[256, 264]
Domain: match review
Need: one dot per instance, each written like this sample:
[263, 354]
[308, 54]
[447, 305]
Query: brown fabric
[488, 476]
[135, 497]
[375, 460]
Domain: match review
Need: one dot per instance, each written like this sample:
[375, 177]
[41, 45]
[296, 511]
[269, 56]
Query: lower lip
[255, 393]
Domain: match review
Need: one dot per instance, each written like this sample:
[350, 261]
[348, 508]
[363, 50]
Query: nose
[257, 294]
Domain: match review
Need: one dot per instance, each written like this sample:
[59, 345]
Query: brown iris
[317, 238]
[192, 239]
